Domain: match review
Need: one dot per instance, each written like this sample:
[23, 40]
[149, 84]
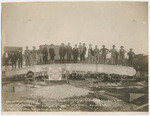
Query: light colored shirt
[96, 51]
[6, 55]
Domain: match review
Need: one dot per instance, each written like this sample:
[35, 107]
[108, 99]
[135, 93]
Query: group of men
[13, 57]
[40, 56]
[76, 52]
[34, 57]
[117, 57]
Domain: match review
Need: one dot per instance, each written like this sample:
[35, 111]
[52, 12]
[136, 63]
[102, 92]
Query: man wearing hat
[83, 52]
[20, 58]
[75, 53]
[27, 54]
[14, 60]
[117, 58]
[80, 51]
[69, 52]
[52, 53]
[62, 53]
[90, 54]
[33, 56]
[104, 52]
[6, 58]
[45, 54]
[113, 52]
[96, 54]
[40, 55]
[131, 55]
[122, 55]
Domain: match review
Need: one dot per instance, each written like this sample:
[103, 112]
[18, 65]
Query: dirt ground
[90, 95]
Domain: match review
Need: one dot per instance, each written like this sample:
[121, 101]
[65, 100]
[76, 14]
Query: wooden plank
[134, 96]
[140, 107]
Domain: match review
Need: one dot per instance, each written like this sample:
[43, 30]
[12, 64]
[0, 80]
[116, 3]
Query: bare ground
[88, 95]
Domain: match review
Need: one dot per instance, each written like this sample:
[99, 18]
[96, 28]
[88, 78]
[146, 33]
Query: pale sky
[98, 23]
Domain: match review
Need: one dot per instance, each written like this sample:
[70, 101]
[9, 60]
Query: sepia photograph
[83, 56]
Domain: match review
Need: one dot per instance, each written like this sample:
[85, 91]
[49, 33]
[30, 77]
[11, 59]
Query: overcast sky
[98, 23]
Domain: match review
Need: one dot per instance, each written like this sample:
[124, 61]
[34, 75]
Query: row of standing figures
[40, 56]
[94, 55]
[117, 57]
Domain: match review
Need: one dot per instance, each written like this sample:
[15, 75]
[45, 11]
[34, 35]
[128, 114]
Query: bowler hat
[121, 47]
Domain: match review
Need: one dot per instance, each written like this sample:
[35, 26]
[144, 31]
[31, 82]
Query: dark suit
[14, 60]
[52, 54]
[83, 53]
[131, 57]
[69, 52]
[45, 54]
[6, 58]
[62, 53]
[75, 54]
[20, 58]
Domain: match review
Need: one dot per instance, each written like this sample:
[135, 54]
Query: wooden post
[67, 75]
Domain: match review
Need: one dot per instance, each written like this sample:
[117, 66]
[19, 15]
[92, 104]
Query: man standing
[45, 54]
[6, 60]
[27, 56]
[117, 58]
[40, 55]
[113, 52]
[33, 56]
[104, 52]
[75, 53]
[14, 60]
[62, 53]
[20, 58]
[69, 52]
[96, 54]
[80, 51]
[131, 55]
[90, 54]
[122, 55]
[83, 52]
[52, 53]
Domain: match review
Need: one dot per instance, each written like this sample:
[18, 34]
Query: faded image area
[75, 57]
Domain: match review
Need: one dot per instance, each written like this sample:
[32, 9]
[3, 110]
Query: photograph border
[73, 113]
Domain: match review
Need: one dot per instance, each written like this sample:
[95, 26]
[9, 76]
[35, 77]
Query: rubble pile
[59, 92]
